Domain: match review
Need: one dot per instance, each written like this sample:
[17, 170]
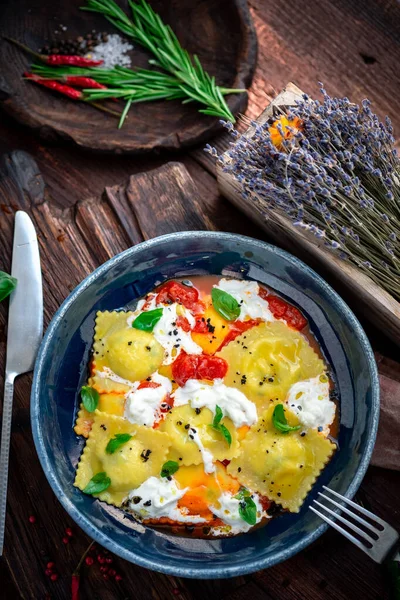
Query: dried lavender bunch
[332, 169]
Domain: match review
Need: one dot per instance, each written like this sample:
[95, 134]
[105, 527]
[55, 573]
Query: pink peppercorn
[48, 572]
[50, 565]
[89, 560]
[65, 540]
[32, 519]
[118, 577]
[105, 576]
[54, 577]
[109, 561]
[69, 532]
[112, 572]
[101, 559]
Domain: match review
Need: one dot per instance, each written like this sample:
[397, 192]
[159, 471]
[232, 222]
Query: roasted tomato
[195, 366]
[236, 329]
[283, 310]
[173, 291]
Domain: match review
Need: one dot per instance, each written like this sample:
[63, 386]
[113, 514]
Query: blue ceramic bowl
[62, 366]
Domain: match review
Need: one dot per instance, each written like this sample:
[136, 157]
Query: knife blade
[25, 330]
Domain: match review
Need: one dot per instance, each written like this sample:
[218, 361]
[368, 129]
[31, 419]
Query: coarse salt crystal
[113, 52]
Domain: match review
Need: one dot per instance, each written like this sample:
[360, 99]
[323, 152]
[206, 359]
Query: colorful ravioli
[135, 461]
[281, 466]
[267, 359]
[201, 448]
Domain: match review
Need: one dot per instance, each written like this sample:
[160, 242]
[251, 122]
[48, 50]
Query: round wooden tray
[221, 33]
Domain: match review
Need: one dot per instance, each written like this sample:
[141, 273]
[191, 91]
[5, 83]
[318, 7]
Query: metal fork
[374, 536]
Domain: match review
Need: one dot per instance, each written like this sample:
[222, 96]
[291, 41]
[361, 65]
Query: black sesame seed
[148, 503]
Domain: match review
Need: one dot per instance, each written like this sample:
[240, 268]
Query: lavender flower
[330, 167]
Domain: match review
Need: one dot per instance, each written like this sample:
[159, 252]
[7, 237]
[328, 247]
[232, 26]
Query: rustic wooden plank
[149, 202]
[352, 46]
[382, 309]
[72, 244]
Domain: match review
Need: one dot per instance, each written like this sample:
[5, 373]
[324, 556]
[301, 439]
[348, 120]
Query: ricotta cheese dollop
[309, 400]
[228, 511]
[142, 405]
[158, 497]
[232, 402]
[246, 294]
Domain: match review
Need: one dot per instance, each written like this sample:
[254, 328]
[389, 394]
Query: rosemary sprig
[148, 30]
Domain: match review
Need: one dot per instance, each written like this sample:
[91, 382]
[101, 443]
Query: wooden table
[351, 45]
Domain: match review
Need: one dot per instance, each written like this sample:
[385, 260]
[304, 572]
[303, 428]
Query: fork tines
[375, 536]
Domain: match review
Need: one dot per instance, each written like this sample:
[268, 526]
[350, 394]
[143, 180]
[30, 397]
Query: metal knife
[25, 330]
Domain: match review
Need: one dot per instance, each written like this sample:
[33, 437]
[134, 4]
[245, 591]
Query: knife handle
[5, 452]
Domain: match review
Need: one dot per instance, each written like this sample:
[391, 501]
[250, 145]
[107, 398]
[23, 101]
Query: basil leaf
[225, 304]
[226, 433]
[217, 426]
[242, 493]
[218, 416]
[148, 319]
[169, 468]
[248, 510]
[117, 441]
[97, 484]
[7, 285]
[279, 420]
[90, 398]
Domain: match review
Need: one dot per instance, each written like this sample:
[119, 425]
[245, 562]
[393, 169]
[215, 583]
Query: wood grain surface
[221, 33]
[80, 226]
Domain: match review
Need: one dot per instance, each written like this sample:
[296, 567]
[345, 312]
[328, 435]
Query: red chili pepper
[58, 59]
[84, 82]
[66, 90]
[71, 60]
[75, 581]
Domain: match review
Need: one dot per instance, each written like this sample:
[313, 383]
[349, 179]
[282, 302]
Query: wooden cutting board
[221, 33]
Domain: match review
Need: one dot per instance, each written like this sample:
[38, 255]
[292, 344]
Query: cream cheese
[246, 294]
[171, 337]
[142, 405]
[157, 497]
[309, 400]
[228, 511]
[232, 402]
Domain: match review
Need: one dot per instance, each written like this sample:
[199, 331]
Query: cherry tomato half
[283, 310]
[195, 366]
[173, 291]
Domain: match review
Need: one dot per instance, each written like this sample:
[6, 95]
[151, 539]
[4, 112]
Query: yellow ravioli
[134, 462]
[177, 424]
[281, 466]
[267, 359]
